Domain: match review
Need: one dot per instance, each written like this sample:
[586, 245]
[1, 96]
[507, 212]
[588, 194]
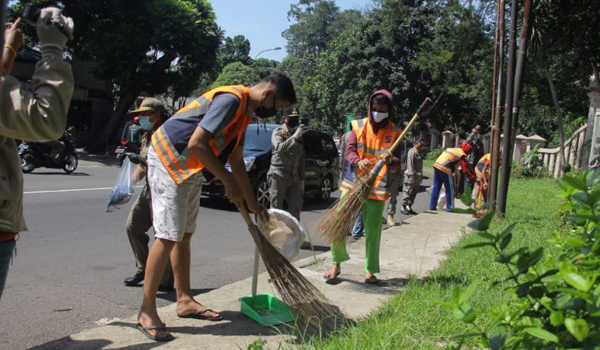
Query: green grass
[428, 163]
[412, 319]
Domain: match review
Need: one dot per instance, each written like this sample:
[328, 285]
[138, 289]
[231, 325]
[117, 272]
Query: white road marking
[74, 190]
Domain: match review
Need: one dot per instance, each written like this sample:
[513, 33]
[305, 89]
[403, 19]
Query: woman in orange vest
[369, 138]
[445, 165]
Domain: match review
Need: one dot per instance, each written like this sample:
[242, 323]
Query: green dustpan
[265, 309]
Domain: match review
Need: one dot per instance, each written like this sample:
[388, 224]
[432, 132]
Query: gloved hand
[301, 130]
[54, 30]
[134, 158]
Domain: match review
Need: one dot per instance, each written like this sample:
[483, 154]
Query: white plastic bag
[441, 203]
[284, 232]
[124, 187]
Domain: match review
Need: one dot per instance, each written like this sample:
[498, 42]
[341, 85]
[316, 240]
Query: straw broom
[338, 220]
[295, 290]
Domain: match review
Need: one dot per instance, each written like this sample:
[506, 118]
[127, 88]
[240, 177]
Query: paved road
[69, 270]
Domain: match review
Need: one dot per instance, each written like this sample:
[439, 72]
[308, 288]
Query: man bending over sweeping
[443, 168]
[205, 134]
[369, 138]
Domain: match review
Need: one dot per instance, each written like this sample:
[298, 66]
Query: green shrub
[531, 166]
[434, 153]
[556, 302]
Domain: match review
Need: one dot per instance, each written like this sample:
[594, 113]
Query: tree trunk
[559, 118]
[127, 98]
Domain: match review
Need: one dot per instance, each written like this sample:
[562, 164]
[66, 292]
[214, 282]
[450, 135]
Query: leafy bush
[531, 165]
[556, 302]
[434, 153]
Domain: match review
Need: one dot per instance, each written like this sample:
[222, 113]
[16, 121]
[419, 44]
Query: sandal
[200, 315]
[331, 280]
[373, 280]
[155, 337]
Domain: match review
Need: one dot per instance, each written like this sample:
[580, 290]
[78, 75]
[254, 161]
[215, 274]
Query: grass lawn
[412, 319]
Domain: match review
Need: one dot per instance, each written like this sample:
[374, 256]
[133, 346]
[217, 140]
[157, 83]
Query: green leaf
[574, 243]
[557, 318]
[577, 183]
[464, 313]
[498, 337]
[466, 295]
[486, 235]
[486, 220]
[478, 245]
[577, 281]
[456, 295]
[578, 328]
[505, 241]
[542, 334]
[581, 197]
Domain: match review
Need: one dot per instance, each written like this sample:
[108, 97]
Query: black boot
[403, 210]
[411, 211]
[135, 280]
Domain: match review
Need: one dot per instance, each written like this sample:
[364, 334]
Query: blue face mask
[146, 124]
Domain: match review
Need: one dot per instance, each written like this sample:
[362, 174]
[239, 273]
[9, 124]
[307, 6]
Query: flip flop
[200, 315]
[162, 327]
[331, 280]
[373, 280]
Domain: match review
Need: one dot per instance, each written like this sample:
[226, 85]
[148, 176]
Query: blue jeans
[440, 178]
[359, 227]
[6, 252]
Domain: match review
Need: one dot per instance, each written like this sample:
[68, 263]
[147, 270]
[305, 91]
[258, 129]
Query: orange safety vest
[369, 145]
[481, 163]
[449, 160]
[182, 166]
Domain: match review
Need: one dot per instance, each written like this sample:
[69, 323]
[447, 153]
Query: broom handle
[398, 141]
[242, 209]
[410, 124]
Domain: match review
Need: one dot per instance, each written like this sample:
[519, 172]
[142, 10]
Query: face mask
[264, 112]
[379, 116]
[292, 122]
[146, 124]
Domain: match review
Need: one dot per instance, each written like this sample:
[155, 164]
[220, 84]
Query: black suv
[321, 164]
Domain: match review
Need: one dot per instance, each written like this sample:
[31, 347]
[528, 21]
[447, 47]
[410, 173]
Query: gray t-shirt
[221, 112]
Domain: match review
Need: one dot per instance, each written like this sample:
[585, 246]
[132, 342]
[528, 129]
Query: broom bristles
[295, 290]
[337, 222]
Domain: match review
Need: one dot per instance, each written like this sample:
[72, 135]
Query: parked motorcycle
[44, 154]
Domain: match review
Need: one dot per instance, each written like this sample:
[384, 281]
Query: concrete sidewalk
[407, 251]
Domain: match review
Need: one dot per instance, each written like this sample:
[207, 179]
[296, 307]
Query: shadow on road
[61, 173]
[93, 344]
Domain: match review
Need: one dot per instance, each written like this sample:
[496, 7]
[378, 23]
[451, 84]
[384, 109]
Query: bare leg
[181, 260]
[333, 272]
[155, 266]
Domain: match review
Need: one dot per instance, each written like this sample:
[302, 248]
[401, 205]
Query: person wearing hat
[151, 115]
[286, 174]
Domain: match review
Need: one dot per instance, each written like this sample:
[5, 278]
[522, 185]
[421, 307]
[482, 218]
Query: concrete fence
[574, 147]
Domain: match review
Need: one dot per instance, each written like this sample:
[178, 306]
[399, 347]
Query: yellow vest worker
[443, 168]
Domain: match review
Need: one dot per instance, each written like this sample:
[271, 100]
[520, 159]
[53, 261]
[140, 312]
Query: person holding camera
[286, 174]
[151, 114]
[30, 116]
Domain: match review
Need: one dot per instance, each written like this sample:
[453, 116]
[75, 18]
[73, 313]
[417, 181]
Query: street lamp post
[273, 49]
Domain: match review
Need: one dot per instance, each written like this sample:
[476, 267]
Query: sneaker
[411, 211]
[390, 221]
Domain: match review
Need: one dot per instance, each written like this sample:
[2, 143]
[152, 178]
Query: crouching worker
[443, 168]
[205, 134]
[369, 138]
